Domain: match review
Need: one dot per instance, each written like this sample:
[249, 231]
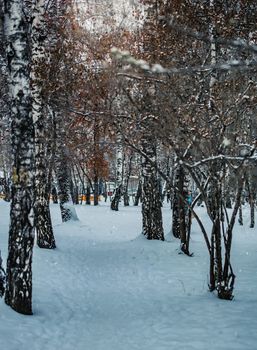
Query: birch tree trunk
[151, 198]
[127, 167]
[62, 170]
[63, 178]
[21, 233]
[119, 172]
[43, 223]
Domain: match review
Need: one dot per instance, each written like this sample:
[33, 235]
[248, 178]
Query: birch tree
[21, 233]
[43, 224]
[151, 197]
[119, 173]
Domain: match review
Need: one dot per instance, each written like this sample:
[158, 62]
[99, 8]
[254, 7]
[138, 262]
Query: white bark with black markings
[43, 224]
[21, 234]
[151, 197]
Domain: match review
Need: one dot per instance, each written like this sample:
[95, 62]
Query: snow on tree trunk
[119, 174]
[43, 223]
[151, 198]
[21, 233]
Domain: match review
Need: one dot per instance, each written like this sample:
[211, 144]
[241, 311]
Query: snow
[107, 288]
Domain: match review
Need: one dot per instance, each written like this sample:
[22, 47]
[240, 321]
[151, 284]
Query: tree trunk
[88, 195]
[176, 208]
[43, 223]
[7, 192]
[63, 177]
[119, 175]
[138, 195]
[21, 233]
[151, 198]
[127, 167]
[62, 169]
[96, 190]
[54, 195]
[251, 193]
[240, 215]
[2, 278]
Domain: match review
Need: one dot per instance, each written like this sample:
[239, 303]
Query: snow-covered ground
[107, 288]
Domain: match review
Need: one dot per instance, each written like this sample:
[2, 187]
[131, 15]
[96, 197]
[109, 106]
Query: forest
[137, 111]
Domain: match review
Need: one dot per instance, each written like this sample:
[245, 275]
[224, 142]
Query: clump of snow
[139, 63]
[226, 142]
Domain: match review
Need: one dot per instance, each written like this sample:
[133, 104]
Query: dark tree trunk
[54, 195]
[252, 213]
[138, 195]
[126, 199]
[88, 195]
[181, 221]
[221, 273]
[228, 202]
[74, 193]
[2, 277]
[96, 190]
[62, 169]
[175, 216]
[7, 188]
[240, 215]
[116, 198]
[105, 192]
[251, 192]
[178, 204]
[151, 197]
[127, 167]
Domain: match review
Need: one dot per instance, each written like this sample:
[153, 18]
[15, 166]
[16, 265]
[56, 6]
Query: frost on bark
[21, 233]
[119, 175]
[43, 223]
[151, 198]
